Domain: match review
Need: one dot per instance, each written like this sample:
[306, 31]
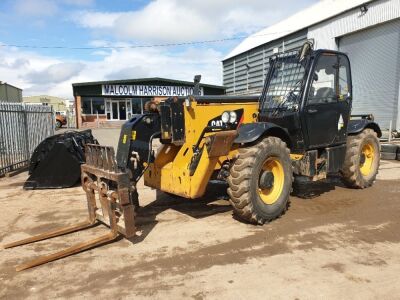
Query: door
[114, 110]
[122, 110]
[327, 107]
[375, 63]
[128, 108]
[345, 98]
[109, 109]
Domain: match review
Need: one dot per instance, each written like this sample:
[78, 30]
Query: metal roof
[144, 80]
[312, 15]
[10, 85]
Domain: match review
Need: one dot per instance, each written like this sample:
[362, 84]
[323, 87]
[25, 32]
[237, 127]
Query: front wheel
[260, 181]
[362, 159]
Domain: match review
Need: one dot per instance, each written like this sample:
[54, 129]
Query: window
[285, 84]
[343, 80]
[323, 85]
[93, 105]
[137, 105]
[86, 105]
[98, 106]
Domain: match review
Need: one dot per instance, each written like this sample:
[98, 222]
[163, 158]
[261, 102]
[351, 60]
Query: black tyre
[389, 151]
[398, 152]
[58, 124]
[388, 155]
[389, 148]
[260, 181]
[362, 159]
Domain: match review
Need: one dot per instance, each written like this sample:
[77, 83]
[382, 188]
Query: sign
[147, 90]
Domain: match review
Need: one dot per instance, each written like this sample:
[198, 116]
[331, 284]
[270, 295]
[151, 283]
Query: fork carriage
[116, 192]
[111, 199]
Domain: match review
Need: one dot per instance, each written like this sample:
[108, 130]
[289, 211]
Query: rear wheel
[362, 159]
[260, 181]
[58, 124]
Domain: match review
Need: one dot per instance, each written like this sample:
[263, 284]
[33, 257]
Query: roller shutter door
[375, 60]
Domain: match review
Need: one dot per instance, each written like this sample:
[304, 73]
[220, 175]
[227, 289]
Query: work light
[232, 117]
[225, 117]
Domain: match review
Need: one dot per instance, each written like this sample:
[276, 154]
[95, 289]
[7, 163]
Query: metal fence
[22, 128]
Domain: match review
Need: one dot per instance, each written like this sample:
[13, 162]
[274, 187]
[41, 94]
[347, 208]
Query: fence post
[26, 132]
[53, 116]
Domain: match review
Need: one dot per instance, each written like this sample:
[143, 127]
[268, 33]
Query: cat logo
[217, 123]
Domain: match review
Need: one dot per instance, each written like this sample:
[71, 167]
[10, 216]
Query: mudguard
[248, 133]
[357, 125]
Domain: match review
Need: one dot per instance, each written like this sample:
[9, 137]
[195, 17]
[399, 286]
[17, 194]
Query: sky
[127, 25]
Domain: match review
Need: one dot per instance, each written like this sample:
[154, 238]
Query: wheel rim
[368, 154]
[271, 195]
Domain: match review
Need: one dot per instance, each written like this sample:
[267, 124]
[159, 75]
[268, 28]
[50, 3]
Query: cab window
[323, 87]
[343, 79]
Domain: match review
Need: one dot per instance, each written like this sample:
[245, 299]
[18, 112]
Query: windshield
[283, 91]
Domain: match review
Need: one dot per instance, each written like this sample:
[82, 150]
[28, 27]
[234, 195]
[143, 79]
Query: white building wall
[326, 33]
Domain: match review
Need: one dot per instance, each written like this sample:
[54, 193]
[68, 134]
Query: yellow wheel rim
[369, 155]
[271, 195]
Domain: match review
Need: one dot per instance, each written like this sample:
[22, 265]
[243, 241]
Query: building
[10, 93]
[368, 31]
[117, 100]
[58, 104]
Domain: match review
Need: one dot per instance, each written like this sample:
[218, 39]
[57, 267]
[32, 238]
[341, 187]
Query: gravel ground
[342, 243]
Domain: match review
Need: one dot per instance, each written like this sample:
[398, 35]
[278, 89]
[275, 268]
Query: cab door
[326, 112]
[345, 97]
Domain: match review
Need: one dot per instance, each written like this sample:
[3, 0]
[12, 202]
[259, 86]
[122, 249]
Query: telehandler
[299, 126]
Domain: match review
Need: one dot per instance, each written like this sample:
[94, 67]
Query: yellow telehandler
[299, 126]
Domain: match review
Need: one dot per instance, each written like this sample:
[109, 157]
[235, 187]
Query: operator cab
[309, 95]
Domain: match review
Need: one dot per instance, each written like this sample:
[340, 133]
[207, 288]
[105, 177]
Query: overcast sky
[98, 23]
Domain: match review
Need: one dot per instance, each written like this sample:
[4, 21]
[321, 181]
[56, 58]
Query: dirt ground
[342, 243]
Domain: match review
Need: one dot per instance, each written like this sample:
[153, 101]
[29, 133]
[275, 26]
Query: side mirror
[305, 50]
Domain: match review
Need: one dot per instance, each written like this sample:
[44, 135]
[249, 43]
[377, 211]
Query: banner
[147, 90]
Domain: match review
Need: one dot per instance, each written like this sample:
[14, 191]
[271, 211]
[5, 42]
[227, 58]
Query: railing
[22, 128]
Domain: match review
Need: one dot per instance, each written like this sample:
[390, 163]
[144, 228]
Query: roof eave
[144, 80]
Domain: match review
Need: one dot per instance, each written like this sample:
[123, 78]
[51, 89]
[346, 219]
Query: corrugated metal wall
[9, 93]
[364, 48]
[375, 60]
[245, 73]
[326, 33]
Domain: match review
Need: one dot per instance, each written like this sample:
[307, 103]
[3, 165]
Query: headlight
[225, 117]
[232, 117]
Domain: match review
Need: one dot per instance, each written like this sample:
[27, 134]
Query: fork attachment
[111, 199]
